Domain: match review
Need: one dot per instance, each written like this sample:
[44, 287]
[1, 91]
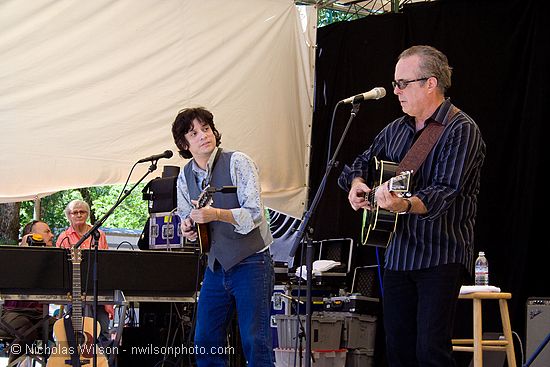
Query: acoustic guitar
[82, 351]
[379, 224]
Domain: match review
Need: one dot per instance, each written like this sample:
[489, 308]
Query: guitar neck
[370, 196]
[398, 184]
[76, 316]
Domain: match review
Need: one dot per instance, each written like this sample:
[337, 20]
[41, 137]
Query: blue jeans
[246, 288]
[419, 308]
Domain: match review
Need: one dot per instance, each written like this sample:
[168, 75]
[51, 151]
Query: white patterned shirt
[244, 175]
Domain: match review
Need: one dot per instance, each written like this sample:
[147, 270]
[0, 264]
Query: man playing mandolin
[432, 243]
[240, 276]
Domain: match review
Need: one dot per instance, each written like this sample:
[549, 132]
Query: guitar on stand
[74, 333]
[379, 224]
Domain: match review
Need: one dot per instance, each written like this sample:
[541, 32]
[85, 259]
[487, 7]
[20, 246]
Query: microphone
[375, 93]
[156, 157]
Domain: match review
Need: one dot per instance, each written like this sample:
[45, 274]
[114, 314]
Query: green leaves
[130, 214]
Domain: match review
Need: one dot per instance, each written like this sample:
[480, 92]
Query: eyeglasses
[79, 212]
[402, 84]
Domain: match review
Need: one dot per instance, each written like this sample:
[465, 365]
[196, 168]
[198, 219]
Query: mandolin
[203, 230]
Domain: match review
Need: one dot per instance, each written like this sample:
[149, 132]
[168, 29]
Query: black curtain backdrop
[500, 72]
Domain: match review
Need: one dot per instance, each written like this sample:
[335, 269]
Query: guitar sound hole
[80, 338]
[84, 341]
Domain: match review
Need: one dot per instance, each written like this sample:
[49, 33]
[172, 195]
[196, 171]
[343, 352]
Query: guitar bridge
[69, 362]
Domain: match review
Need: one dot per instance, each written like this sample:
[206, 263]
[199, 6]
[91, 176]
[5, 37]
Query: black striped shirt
[447, 183]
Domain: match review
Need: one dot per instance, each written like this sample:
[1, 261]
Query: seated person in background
[23, 315]
[37, 228]
[77, 213]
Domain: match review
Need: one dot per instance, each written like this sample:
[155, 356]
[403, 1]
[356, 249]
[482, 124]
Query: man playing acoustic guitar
[240, 276]
[433, 240]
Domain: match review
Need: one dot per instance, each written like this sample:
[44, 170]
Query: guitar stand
[75, 360]
[19, 337]
[95, 235]
[119, 299]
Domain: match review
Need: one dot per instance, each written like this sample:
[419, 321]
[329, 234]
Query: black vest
[227, 246]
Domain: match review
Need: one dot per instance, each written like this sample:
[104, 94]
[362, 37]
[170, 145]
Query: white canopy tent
[89, 87]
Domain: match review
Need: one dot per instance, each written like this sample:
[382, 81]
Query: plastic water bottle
[482, 270]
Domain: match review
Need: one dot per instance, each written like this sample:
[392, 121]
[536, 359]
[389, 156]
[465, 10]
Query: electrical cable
[379, 274]
[126, 183]
[520, 347]
[188, 342]
[170, 216]
[124, 243]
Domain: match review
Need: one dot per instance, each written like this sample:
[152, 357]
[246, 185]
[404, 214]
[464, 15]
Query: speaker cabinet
[538, 327]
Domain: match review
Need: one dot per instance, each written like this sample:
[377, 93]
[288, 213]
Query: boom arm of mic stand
[305, 223]
[102, 220]
[93, 230]
[307, 215]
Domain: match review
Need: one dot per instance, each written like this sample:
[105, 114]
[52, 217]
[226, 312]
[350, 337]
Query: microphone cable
[126, 183]
[169, 235]
[125, 243]
[330, 131]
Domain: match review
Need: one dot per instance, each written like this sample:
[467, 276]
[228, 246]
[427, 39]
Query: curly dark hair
[184, 123]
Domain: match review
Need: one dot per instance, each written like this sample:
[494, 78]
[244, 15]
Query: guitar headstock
[75, 255]
[205, 198]
[400, 183]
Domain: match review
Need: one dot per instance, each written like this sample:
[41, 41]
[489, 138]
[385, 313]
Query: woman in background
[77, 213]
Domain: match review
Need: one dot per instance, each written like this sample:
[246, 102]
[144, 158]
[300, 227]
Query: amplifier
[538, 327]
[352, 303]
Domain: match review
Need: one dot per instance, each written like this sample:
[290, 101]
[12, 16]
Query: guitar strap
[218, 153]
[417, 154]
[71, 341]
[206, 182]
[424, 144]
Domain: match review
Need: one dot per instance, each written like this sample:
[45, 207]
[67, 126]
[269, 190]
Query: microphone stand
[305, 225]
[94, 231]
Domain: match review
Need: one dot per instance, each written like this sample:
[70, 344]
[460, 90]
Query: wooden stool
[477, 344]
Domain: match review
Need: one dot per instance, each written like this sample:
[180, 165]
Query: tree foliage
[130, 214]
[329, 16]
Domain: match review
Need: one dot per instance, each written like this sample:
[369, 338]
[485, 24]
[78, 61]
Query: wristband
[409, 206]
